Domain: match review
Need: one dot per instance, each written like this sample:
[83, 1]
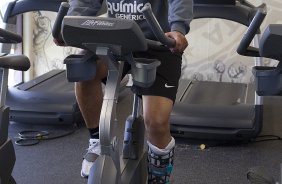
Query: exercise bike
[113, 40]
[16, 62]
[267, 79]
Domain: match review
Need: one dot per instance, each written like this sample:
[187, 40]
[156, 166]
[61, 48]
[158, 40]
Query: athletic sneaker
[93, 151]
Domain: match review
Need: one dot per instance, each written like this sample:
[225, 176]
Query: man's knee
[156, 113]
[157, 123]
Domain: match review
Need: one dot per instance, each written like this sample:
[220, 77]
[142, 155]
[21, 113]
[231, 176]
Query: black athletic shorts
[168, 74]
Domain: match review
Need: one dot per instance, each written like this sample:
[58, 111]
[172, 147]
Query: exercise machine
[114, 40]
[219, 110]
[49, 98]
[267, 79]
[16, 62]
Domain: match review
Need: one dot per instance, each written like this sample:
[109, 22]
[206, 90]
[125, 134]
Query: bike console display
[122, 36]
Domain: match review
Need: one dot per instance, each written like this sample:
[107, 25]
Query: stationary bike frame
[112, 167]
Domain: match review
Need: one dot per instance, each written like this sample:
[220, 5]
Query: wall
[211, 54]
[212, 51]
[39, 45]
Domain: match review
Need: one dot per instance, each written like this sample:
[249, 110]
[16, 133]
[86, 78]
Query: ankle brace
[159, 167]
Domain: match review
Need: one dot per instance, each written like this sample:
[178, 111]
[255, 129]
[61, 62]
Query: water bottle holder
[268, 80]
[144, 71]
[80, 67]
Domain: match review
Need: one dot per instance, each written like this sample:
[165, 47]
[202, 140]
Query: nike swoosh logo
[167, 86]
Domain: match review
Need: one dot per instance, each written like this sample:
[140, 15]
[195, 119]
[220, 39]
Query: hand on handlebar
[180, 41]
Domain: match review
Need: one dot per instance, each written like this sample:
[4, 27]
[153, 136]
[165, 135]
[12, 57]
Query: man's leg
[156, 111]
[89, 96]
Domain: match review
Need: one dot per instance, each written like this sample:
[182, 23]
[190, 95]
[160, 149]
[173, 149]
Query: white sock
[94, 149]
[91, 141]
[164, 151]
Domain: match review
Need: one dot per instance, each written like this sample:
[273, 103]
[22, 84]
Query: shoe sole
[83, 175]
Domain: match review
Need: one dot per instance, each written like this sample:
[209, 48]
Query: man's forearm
[180, 15]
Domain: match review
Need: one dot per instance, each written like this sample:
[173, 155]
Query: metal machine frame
[219, 110]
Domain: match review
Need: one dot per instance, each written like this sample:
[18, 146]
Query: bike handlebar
[63, 10]
[9, 37]
[244, 47]
[156, 28]
[147, 11]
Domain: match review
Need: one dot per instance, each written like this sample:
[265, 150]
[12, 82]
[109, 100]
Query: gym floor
[58, 161]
